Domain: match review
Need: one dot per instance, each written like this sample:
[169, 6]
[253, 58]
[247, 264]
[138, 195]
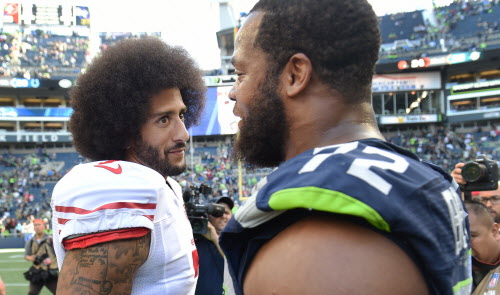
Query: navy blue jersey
[211, 268]
[373, 183]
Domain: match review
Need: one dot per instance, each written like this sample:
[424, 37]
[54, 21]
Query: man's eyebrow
[170, 112]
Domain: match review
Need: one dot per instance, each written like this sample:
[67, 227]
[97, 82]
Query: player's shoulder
[108, 178]
[111, 171]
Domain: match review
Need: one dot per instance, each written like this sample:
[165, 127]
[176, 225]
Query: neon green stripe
[321, 199]
[462, 284]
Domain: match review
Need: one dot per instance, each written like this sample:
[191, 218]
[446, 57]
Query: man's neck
[39, 236]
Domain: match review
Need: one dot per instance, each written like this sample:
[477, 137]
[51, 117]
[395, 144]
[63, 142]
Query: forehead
[475, 224]
[170, 97]
[490, 193]
[244, 43]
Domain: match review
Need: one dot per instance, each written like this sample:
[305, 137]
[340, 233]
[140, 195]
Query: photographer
[211, 274]
[40, 250]
[490, 198]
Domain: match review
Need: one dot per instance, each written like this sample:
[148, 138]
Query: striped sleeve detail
[117, 205]
[103, 237]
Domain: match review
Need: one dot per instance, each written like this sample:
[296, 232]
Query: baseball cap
[226, 200]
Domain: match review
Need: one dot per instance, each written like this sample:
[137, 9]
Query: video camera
[481, 175]
[39, 259]
[198, 212]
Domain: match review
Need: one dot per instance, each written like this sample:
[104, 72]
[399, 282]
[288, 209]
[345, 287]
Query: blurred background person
[40, 251]
[211, 276]
[490, 199]
[485, 244]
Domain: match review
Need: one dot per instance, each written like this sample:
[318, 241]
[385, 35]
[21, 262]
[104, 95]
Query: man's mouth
[177, 151]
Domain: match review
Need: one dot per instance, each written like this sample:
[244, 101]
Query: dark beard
[260, 141]
[150, 157]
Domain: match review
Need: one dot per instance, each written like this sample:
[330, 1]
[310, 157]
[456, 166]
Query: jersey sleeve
[101, 197]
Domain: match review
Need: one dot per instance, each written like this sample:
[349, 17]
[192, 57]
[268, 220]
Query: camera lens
[472, 172]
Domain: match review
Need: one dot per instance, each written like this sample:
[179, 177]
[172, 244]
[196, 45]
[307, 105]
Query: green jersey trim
[321, 199]
[459, 287]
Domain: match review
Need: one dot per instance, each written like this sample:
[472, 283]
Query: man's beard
[150, 157]
[261, 139]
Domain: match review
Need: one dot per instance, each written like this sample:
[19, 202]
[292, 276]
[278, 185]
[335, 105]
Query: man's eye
[182, 117]
[164, 120]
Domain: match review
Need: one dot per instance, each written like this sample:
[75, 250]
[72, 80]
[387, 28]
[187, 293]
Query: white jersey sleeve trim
[104, 223]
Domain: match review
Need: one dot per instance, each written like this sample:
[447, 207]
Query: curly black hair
[112, 98]
[340, 37]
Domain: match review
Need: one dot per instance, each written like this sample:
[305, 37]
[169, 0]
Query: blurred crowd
[38, 54]
[24, 193]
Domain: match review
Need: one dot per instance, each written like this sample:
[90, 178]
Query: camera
[198, 212]
[40, 258]
[481, 175]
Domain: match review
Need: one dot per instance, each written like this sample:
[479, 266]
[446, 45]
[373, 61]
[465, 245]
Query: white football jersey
[111, 195]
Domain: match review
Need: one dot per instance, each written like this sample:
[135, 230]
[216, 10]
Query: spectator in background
[211, 276]
[10, 225]
[304, 97]
[485, 244]
[40, 251]
[490, 199]
[131, 110]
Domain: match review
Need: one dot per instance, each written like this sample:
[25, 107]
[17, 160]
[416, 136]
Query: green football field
[12, 267]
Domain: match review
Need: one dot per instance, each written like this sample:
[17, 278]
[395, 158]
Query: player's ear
[494, 231]
[297, 74]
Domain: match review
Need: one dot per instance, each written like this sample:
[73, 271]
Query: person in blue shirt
[211, 258]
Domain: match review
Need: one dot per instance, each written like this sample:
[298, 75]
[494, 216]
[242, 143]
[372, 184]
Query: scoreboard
[46, 14]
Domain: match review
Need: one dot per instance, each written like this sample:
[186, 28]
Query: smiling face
[164, 135]
[220, 222]
[263, 127]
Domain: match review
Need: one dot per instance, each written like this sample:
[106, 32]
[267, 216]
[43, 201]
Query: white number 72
[360, 168]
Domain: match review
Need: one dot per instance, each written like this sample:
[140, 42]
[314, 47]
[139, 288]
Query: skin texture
[322, 256]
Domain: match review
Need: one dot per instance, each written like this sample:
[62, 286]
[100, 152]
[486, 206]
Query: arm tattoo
[93, 260]
[109, 267]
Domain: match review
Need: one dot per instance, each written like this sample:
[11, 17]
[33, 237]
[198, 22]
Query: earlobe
[298, 73]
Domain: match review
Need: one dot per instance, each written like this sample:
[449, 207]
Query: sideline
[12, 250]
[16, 284]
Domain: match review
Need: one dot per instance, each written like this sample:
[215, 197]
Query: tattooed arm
[107, 268]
